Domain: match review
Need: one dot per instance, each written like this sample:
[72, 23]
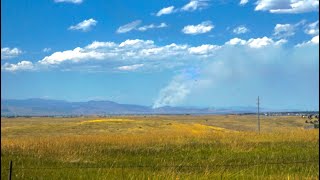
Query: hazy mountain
[42, 107]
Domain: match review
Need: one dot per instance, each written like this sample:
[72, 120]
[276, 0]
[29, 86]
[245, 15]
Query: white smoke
[236, 73]
[174, 92]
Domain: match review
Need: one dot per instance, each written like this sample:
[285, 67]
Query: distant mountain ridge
[46, 107]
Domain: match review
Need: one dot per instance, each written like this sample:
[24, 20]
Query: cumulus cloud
[313, 41]
[111, 55]
[287, 6]
[204, 27]
[243, 2]
[76, 55]
[194, 5]
[97, 44]
[130, 67]
[236, 41]
[8, 53]
[20, 66]
[240, 30]
[85, 25]
[312, 28]
[256, 42]
[69, 1]
[166, 10]
[204, 49]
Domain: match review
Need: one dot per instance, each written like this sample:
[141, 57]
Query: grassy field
[159, 147]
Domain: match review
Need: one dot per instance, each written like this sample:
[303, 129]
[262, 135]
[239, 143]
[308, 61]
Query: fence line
[169, 166]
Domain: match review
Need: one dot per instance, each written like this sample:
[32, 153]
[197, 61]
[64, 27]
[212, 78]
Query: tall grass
[163, 148]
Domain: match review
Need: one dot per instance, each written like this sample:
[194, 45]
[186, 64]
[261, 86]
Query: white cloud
[46, 49]
[136, 43]
[85, 25]
[313, 41]
[240, 30]
[20, 66]
[129, 27]
[69, 1]
[110, 55]
[130, 67]
[243, 2]
[256, 43]
[236, 41]
[204, 27]
[312, 28]
[194, 5]
[167, 10]
[259, 42]
[8, 53]
[284, 30]
[287, 6]
[97, 44]
[204, 49]
[76, 55]
[152, 26]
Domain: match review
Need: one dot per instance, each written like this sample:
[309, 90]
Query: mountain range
[46, 107]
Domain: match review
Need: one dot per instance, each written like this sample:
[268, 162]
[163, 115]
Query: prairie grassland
[159, 147]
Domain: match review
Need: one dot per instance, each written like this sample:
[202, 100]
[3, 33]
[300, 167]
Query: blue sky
[205, 53]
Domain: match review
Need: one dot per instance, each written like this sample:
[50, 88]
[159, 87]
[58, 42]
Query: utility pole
[258, 103]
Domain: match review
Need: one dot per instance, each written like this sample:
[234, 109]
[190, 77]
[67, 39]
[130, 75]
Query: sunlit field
[159, 147]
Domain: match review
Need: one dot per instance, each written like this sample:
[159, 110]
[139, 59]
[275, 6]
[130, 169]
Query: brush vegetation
[159, 147]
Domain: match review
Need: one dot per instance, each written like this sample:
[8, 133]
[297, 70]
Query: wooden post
[10, 170]
[258, 103]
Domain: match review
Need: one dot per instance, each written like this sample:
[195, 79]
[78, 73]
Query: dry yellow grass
[160, 141]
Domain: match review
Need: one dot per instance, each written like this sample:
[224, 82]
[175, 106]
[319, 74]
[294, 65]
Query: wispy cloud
[85, 25]
[129, 27]
[8, 53]
[243, 2]
[46, 49]
[152, 26]
[204, 27]
[193, 5]
[240, 30]
[312, 28]
[69, 1]
[166, 10]
[130, 67]
[287, 30]
[284, 30]
[135, 26]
